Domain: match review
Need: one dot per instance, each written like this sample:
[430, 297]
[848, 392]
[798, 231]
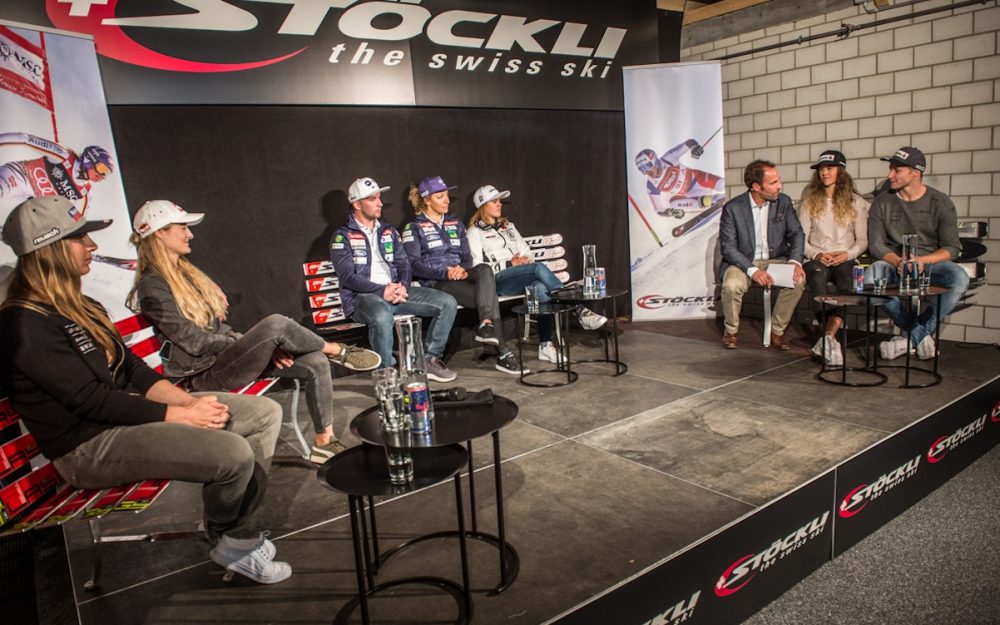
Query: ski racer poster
[55, 139]
[676, 187]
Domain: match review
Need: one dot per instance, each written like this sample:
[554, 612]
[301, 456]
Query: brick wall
[932, 82]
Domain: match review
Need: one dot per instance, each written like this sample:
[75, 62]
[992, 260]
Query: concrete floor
[601, 479]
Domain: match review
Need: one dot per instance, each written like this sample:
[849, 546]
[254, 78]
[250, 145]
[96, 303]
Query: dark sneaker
[487, 334]
[437, 371]
[321, 454]
[356, 358]
[508, 363]
[253, 560]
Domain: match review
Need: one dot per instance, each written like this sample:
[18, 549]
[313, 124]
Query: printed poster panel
[488, 53]
[55, 139]
[676, 187]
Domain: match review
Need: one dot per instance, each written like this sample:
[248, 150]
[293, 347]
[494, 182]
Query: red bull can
[418, 402]
[859, 278]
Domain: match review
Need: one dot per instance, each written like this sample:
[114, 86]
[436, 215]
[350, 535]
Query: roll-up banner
[488, 53]
[676, 187]
[55, 139]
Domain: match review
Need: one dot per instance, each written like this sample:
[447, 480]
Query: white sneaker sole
[439, 378]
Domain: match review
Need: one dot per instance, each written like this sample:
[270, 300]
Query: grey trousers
[478, 291]
[250, 357]
[231, 463]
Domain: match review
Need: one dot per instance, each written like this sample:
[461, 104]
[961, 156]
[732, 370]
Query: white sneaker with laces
[828, 348]
[893, 348]
[926, 349]
[252, 558]
[547, 352]
[589, 320]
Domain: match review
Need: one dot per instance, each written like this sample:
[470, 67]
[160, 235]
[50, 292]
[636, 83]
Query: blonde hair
[419, 204]
[480, 215]
[48, 279]
[198, 298]
[814, 197]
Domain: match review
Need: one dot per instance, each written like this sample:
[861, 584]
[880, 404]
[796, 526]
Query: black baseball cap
[908, 156]
[830, 158]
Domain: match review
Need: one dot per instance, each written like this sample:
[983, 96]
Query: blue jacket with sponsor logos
[351, 256]
[433, 248]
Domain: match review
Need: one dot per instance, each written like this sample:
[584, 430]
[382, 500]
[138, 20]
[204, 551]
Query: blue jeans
[376, 313]
[944, 274]
[513, 281]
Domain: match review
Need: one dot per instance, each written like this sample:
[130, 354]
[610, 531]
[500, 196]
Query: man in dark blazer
[757, 228]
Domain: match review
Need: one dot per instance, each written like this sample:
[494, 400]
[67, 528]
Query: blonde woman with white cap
[189, 310]
[102, 416]
[494, 241]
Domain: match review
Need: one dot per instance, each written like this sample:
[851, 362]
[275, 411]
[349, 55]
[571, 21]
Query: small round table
[453, 425]
[871, 302]
[560, 314]
[574, 295]
[361, 472]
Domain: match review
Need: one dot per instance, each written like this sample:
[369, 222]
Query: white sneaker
[893, 348]
[828, 348]
[926, 349]
[254, 563]
[547, 352]
[589, 320]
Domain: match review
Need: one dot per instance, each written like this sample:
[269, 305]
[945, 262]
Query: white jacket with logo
[495, 245]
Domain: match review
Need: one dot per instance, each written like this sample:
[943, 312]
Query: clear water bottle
[590, 271]
[908, 277]
[413, 375]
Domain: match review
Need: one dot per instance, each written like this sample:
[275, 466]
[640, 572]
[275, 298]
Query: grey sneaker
[589, 320]
[508, 363]
[251, 558]
[322, 453]
[926, 349]
[487, 334]
[893, 348]
[356, 358]
[437, 371]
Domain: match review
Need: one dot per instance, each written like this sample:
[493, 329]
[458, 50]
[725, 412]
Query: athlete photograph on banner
[56, 140]
[676, 187]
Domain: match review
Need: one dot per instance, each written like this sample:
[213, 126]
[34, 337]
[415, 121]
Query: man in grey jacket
[912, 207]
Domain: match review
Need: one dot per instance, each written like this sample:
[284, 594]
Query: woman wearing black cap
[102, 416]
[835, 220]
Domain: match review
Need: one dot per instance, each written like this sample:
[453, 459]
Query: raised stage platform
[694, 488]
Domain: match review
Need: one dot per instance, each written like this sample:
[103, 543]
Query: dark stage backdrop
[273, 180]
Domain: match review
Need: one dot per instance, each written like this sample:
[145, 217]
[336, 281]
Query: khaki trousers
[735, 283]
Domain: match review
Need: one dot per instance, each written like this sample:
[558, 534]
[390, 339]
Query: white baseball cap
[157, 214]
[362, 188]
[488, 193]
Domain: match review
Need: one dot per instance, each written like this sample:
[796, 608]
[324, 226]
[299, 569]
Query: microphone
[455, 393]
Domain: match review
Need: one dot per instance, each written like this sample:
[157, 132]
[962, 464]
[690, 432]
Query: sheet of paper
[782, 274]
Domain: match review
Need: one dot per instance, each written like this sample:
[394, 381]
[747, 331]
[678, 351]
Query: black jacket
[61, 384]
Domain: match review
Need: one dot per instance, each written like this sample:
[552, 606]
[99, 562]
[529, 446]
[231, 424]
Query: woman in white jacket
[494, 241]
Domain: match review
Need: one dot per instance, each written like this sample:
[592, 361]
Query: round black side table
[453, 425]
[560, 314]
[362, 472]
[871, 302]
[574, 295]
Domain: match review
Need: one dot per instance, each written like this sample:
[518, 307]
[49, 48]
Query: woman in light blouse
[835, 220]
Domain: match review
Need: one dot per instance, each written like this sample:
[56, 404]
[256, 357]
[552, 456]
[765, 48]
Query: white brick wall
[933, 82]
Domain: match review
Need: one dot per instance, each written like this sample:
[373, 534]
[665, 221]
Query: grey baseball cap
[41, 221]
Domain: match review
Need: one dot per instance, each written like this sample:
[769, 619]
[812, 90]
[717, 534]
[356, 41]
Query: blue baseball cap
[432, 184]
